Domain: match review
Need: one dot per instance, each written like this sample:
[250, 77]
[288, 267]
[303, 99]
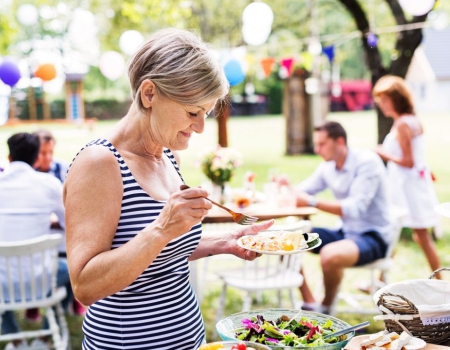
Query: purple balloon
[9, 73]
[372, 39]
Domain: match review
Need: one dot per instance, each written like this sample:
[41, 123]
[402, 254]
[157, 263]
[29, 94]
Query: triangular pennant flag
[288, 63]
[267, 64]
[307, 60]
[329, 52]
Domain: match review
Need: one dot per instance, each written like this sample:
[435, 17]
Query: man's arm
[314, 184]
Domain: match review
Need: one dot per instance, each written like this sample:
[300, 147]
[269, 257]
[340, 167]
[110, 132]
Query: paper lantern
[9, 73]
[112, 65]
[129, 41]
[417, 7]
[46, 72]
[233, 72]
[267, 64]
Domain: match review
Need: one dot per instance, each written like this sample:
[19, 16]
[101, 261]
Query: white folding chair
[359, 303]
[269, 272]
[28, 280]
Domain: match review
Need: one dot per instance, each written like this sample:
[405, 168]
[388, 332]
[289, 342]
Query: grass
[262, 142]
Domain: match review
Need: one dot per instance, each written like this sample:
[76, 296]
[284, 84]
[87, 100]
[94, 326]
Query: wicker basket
[402, 315]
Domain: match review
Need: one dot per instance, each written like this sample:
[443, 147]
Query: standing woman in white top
[404, 150]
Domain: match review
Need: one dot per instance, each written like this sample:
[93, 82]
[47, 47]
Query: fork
[239, 218]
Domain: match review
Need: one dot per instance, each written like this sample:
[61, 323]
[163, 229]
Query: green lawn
[262, 143]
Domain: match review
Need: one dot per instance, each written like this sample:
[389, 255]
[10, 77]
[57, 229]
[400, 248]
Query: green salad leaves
[286, 332]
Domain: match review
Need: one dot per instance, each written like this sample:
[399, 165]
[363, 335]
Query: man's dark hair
[24, 147]
[334, 130]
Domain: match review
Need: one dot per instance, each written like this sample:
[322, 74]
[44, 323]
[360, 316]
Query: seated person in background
[58, 168]
[357, 179]
[46, 163]
[27, 199]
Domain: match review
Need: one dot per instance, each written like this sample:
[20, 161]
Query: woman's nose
[199, 125]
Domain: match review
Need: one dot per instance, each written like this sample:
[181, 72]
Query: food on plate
[384, 340]
[275, 241]
[286, 332]
[215, 346]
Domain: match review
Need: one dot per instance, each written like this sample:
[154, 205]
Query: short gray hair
[181, 66]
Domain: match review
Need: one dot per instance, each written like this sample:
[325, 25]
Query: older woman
[130, 230]
[404, 150]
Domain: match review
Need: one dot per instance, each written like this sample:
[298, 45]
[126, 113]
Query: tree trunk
[407, 42]
[222, 113]
[296, 109]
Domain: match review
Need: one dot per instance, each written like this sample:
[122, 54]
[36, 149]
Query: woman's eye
[192, 114]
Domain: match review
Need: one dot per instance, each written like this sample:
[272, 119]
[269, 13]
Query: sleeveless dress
[412, 188]
[159, 310]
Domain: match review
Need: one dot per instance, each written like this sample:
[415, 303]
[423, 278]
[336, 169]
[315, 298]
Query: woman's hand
[382, 153]
[183, 210]
[232, 238]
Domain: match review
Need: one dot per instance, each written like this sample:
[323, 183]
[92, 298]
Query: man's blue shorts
[370, 244]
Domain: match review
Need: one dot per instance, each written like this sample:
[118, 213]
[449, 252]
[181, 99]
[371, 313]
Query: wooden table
[354, 344]
[261, 211]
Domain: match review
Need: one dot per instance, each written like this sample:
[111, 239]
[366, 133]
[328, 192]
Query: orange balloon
[46, 72]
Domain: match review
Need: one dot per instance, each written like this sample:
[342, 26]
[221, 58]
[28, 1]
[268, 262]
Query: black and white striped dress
[159, 309]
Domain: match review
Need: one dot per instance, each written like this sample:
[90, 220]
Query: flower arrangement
[219, 164]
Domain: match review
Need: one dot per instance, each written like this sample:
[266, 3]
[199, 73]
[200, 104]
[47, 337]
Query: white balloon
[315, 48]
[311, 86]
[112, 65]
[257, 12]
[27, 14]
[255, 34]
[417, 7]
[130, 41]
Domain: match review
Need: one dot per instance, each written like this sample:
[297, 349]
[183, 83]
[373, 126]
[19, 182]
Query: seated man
[27, 199]
[46, 163]
[358, 181]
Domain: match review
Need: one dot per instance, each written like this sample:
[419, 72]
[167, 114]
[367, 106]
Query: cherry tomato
[241, 346]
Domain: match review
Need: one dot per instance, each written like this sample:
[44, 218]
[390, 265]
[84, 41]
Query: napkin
[431, 298]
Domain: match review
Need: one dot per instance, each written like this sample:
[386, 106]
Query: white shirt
[27, 199]
[361, 188]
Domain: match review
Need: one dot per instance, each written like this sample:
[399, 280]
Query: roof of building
[436, 45]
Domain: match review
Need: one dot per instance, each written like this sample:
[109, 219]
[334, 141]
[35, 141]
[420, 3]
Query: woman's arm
[93, 195]
[404, 138]
[227, 243]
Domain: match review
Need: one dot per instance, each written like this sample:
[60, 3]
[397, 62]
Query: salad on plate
[284, 331]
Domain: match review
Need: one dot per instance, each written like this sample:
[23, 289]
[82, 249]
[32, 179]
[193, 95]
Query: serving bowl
[226, 327]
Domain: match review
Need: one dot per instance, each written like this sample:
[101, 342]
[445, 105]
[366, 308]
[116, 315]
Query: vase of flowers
[219, 165]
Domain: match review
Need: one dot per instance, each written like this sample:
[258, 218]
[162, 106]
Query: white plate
[415, 344]
[282, 252]
[443, 209]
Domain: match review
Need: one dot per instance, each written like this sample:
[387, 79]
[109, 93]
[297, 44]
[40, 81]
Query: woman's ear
[147, 91]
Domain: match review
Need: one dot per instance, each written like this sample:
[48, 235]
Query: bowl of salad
[285, 329]
[233, 345]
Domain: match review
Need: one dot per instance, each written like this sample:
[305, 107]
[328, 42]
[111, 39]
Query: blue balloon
[234, 72]
[9, 73]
